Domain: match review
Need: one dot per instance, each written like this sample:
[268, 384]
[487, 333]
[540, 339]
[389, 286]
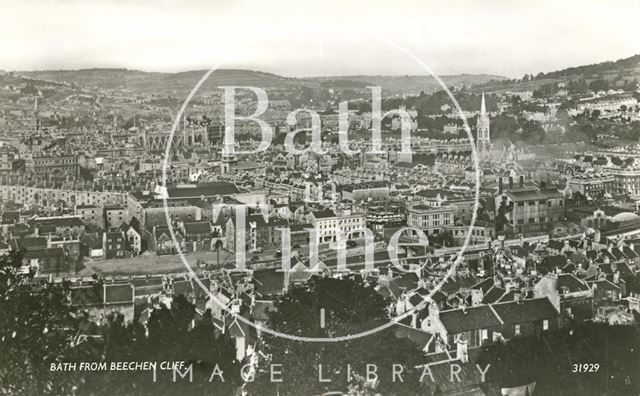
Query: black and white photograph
[320, 198]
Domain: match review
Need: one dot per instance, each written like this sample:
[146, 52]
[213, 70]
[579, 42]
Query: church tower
[36, 112]
[228, 155]
[483, 139]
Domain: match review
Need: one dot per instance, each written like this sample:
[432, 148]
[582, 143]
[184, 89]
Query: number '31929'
[585, 367]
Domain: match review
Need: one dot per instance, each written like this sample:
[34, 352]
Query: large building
[591, 185]
[528, 208]
[49, 196]
[626, 181]
[328, 225]
[430, 218]
[376, 190]
[90, 214]
[114, 216]
[63, 165]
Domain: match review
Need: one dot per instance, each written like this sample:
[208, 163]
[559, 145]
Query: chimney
[616, 277]
[517, 297]
[500, 185]
[510, 183]
[434, 311]
[543, 185]
[521, 181]
[414, 319]
[462, 349]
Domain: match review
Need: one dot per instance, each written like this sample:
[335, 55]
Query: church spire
[484, 139]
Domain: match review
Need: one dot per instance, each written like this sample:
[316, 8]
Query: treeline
[592, 359]
[40, 328]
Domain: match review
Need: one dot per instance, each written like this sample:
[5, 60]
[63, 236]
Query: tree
[350, 307]
[508, 368]
[445, 239]
[549, 359]
[37, 325]
[39, 328]
[579, 199]
[171, 338]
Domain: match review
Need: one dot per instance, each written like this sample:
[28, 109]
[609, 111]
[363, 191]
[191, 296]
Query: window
[517, 329]
[545, 324]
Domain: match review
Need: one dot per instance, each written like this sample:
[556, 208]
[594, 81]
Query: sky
[318, 38]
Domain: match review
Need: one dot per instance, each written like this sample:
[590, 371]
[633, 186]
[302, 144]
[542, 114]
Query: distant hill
[181, 83]
[620, 70]
[407, 84]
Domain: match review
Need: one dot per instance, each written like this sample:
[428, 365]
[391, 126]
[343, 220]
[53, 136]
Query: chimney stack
[510, 182]
[500, 185]
[543, 185]
[414, 320]
[521, 181]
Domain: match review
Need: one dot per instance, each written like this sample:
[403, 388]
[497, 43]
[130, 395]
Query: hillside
[407, 84]
[164, 83]
[181, 83]
[611, 71]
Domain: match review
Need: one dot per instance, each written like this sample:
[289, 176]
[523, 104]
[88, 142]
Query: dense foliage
[351, 307]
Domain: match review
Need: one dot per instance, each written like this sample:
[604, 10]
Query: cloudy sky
[329, 37]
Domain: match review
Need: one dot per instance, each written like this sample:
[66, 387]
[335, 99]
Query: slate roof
[419, 337]
[261, 309]
[572, 283]
[485, 285]
[471, 318]
[629, 253]
[198, 227]
[29, 243]
[605, 284]
[60, 222]
[268, 281]
[118, 293]
[416, 299]
[526, 310]
[493, 295]
[557, 245]
[323, 214]
[86, 295]
[54, 252]
[203, 189]
[533, 195]
[405, 282]
[184, 287]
